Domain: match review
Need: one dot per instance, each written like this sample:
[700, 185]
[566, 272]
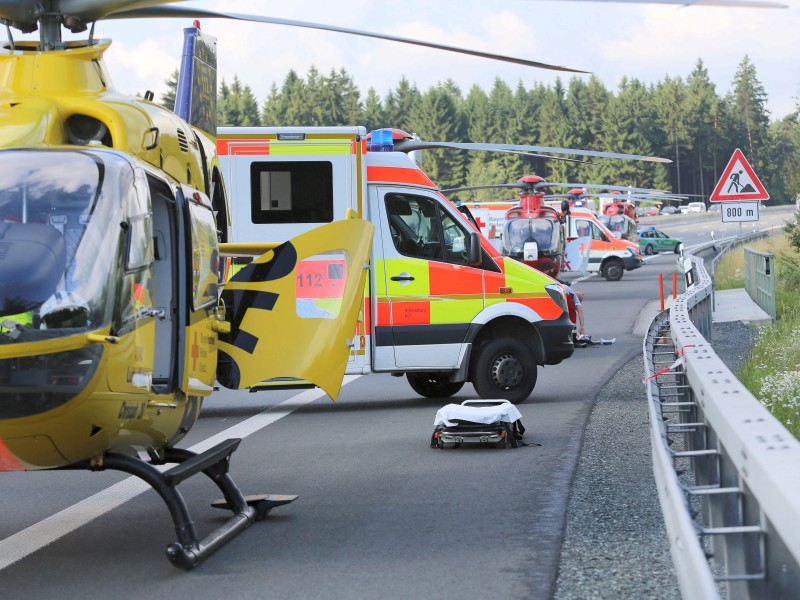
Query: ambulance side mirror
[474, 255]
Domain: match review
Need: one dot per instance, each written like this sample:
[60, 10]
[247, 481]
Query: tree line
[683, 119]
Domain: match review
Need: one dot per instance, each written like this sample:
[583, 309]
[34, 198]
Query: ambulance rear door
[285, 181]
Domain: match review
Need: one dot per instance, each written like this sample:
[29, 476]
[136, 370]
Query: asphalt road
[380, 513]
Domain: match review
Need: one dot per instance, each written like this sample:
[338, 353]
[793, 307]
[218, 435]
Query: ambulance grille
[4, 248]
[182, 141]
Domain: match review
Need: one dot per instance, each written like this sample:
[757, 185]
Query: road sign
[733, 212]
[738, 182]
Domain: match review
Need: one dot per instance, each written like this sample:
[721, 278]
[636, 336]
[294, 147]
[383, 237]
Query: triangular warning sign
[738, 182]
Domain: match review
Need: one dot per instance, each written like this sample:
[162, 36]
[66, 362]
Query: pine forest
[684, 119]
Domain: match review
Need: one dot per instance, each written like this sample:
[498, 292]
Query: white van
[696, 207]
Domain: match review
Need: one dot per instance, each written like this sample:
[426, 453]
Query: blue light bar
[381, 141]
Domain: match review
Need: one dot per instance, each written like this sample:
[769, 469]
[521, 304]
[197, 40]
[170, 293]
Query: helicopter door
[165, 295]
[202, 265]
[133, 370]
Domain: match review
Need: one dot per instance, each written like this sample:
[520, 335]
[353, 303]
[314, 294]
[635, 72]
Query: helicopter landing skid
[189, 551]
[263, 503]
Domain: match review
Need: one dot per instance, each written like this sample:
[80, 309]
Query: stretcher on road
[491, 423]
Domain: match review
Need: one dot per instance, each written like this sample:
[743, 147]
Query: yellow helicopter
[113, 219]
[112, 325]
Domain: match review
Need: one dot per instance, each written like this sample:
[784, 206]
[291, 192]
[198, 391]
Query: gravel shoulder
[615, 544]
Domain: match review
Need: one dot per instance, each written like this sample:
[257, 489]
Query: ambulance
[442, 306]
[609, 255]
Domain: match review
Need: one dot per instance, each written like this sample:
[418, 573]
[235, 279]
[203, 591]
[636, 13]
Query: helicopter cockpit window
[62, 268]
[545, 232]
[620, 225]
[60, 214]
[291, 192]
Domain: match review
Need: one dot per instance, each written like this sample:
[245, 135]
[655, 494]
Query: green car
[653, 240]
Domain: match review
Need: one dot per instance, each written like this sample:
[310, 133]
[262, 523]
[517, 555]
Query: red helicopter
[617, 204]
[532, 231]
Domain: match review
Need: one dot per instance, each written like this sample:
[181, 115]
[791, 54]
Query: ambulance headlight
[556, 292]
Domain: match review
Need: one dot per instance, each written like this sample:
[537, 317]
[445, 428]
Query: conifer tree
[374, 117]
[747, 102]
[168, 97]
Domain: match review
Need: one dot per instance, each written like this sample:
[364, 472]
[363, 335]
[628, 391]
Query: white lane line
[16, 547]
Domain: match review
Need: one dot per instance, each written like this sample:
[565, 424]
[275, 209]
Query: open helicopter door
[278, 328]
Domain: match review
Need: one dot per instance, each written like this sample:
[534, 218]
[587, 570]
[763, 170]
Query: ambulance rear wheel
[613, 270]
[504, 369]
[433, 385]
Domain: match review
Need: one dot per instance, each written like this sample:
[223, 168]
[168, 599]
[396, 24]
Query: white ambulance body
[441, 305]
[610, 256]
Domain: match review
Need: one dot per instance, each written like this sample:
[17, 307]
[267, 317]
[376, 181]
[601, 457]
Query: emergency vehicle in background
[529, 230]
[614, 203]
[610, 256]
[441, 305]
[622, 226]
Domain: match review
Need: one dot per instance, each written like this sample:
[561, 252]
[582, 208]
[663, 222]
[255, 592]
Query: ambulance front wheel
[433, 385]
[613, 270]
[504, 369]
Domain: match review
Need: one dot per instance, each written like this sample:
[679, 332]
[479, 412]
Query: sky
[611, 40]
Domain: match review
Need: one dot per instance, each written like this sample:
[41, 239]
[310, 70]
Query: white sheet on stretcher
[447, 415]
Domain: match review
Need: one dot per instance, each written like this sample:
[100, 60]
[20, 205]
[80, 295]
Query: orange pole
[674, 285]
[661, 289]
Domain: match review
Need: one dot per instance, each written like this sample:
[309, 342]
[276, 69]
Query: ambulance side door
[600, 244]
[427, 294]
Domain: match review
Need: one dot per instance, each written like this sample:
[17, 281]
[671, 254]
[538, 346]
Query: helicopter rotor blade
[547, 156]
[410, 145]
[190, 12]
[521, 186]
[721, 3]
[600, 186]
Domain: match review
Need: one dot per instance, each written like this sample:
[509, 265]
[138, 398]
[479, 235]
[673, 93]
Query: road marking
[19, 545]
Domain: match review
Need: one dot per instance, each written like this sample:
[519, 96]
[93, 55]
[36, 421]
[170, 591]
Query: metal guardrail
[727, 472]
[759, 279]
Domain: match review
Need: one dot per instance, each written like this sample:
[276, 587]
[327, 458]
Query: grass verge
[771, 372]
